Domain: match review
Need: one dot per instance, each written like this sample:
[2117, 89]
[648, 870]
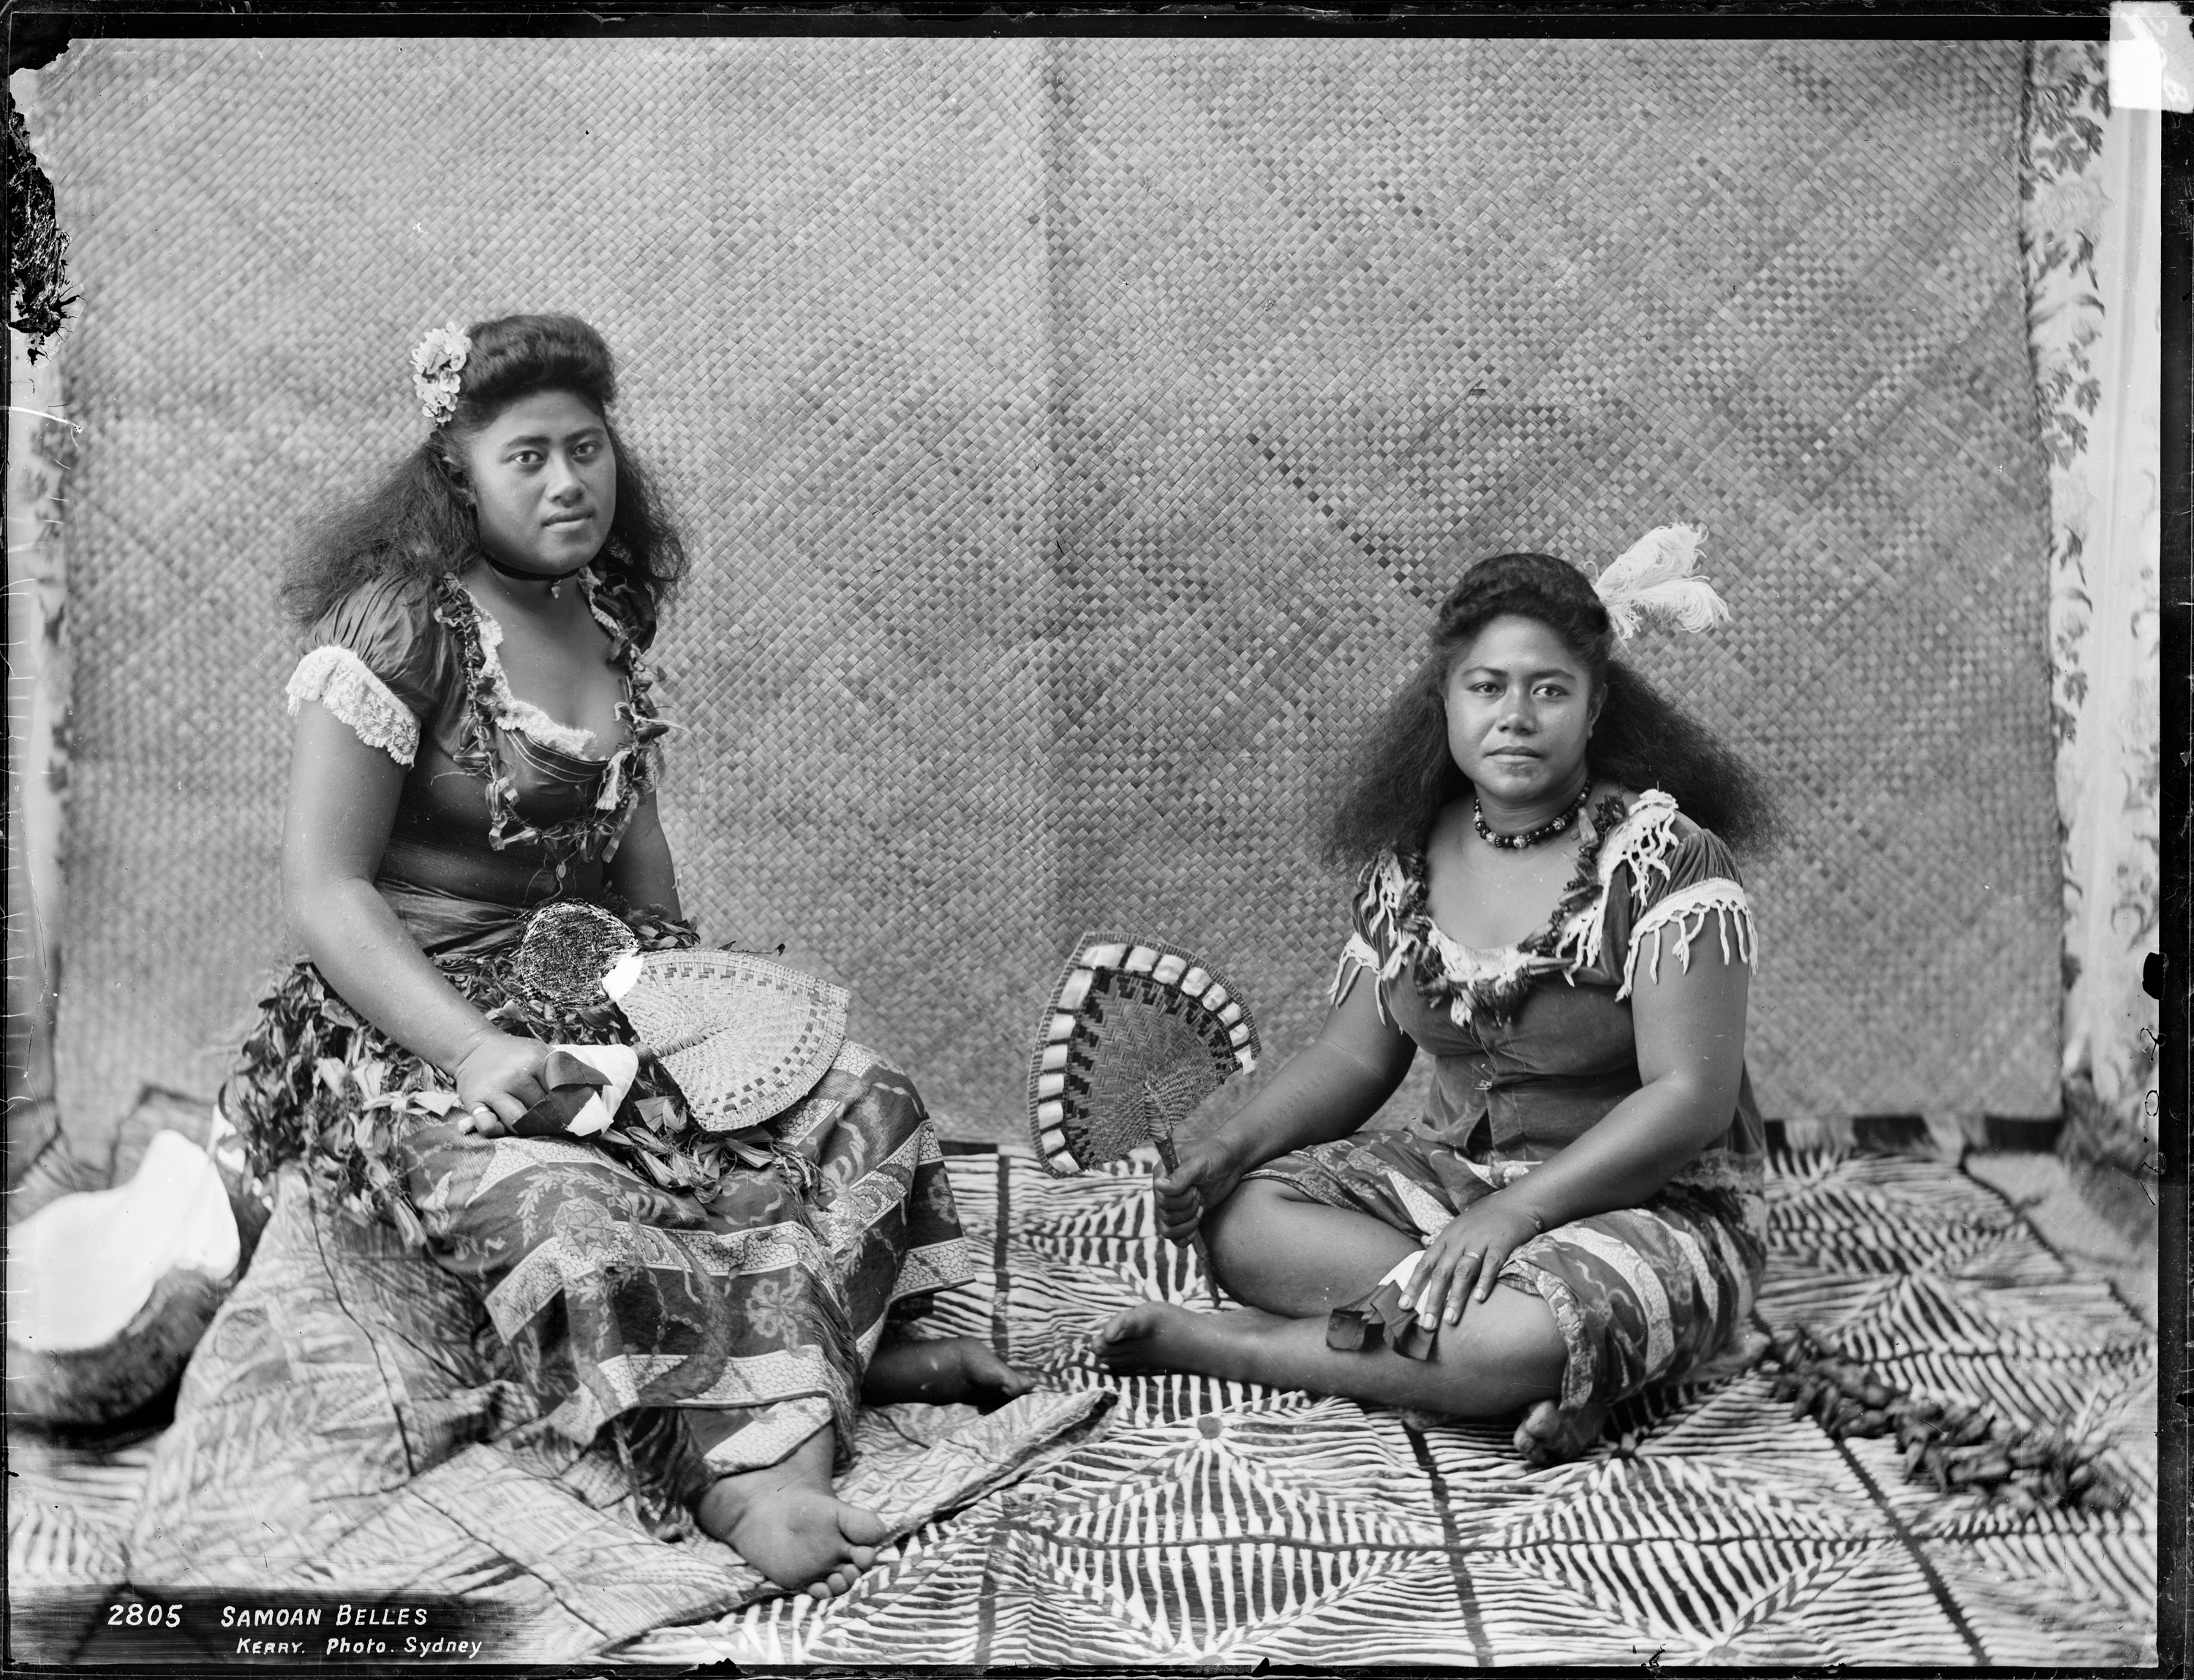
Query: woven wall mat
[1072, 436]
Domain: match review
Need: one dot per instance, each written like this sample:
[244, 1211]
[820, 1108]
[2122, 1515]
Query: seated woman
[1548, 906]
[475, 740]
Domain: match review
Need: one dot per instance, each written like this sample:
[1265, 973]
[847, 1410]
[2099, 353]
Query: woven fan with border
[745, 1037]
[733, 1038]
[1136, 1035]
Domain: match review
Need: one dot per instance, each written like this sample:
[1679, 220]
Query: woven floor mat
[69, 1513]
[1223, 1523]
[550, 1575]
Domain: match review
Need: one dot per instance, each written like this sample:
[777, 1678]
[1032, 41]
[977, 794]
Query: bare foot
[1550, 1436]
[1158, 1336]
[957, 1370]
[785, 1520]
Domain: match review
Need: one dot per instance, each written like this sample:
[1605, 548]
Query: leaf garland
[629, 774]
[316, 1082]
[1497, 997]
[1946, 1444]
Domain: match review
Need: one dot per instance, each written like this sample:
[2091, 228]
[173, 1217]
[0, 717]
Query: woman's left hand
[1467, 1255]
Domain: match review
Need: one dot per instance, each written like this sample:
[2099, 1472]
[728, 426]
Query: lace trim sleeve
[1686, 910]
[1356, 958]
[1375, 941]
[343, 682]
[1644, 839]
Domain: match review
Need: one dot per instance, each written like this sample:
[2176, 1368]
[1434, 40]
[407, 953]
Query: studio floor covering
[1208, 1521]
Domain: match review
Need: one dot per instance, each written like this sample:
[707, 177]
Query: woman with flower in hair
[1548, 906]
[471, 845]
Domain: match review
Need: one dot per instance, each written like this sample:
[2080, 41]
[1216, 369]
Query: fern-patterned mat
[1217, 1522]
[1223, 1523]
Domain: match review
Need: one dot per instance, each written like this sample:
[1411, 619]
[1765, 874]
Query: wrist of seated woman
[481, 1031]
[1511, 1202]
[1240, 1152]
[473, 1039]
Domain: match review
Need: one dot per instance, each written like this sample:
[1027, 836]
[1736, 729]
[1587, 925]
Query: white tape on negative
[623, 975]
[2151, 57]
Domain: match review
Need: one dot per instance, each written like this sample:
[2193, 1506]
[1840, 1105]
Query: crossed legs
[1293, 1261]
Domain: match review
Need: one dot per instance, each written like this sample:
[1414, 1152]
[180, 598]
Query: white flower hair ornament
[436, 365]
[1656, 578]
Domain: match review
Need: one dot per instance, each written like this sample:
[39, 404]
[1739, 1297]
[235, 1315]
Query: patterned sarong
[716, 1328]
[1640, 1296]
[751, 1315]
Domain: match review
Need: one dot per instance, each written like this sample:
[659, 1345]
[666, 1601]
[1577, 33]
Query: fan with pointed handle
[1135, 1036]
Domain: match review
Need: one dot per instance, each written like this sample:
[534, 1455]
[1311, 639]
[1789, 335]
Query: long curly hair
[414, 522]
[1402, 775]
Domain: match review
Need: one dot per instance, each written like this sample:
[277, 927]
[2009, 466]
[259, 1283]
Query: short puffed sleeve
[1375, 944]
[379, 661]
[1677, 889]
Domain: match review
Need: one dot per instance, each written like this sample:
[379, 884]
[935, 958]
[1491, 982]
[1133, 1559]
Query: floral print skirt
[1641, 1295]
[719, 1327]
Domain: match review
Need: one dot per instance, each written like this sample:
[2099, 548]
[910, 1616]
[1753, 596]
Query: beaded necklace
[1545, 830]
[1499, 994]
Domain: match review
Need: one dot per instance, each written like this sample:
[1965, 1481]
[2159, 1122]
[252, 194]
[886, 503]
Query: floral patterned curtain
[2092, 225]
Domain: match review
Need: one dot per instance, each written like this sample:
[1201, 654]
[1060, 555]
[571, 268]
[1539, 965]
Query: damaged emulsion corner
[37, 249]
[2151, 56]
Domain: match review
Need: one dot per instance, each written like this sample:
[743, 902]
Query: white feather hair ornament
[1656, 578]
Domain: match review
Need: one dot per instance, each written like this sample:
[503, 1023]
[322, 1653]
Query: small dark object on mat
[572, 1083]
[1379, 1319]
[2018, 1134]
[1892, 1134]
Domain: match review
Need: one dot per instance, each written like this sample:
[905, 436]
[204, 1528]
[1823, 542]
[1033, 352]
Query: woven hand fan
[744, 1037]
[1134, 1037]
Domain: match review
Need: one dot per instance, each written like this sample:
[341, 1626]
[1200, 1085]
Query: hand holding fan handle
[1172, 1161]
[1136, 1034]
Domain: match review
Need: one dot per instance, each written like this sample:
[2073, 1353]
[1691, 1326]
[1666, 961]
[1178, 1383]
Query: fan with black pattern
[1135, 1036]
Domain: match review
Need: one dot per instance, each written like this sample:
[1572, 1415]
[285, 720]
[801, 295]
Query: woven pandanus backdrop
[1072, 437]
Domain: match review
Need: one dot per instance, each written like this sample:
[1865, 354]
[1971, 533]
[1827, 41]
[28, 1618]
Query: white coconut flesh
[81, 1267]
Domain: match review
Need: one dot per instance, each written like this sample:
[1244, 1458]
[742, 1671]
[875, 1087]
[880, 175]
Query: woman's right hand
[498, 1079]
[1210, 1170]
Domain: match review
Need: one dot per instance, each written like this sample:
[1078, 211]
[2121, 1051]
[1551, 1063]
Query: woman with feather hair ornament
[1548, 905]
